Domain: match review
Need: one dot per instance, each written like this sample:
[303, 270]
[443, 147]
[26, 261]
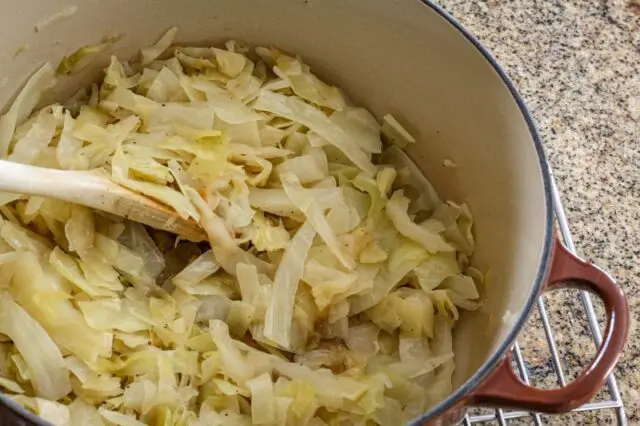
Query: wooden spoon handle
[94, 190]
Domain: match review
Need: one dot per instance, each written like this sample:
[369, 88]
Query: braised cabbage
[328, 292]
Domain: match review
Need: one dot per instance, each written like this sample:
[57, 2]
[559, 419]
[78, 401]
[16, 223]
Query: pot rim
[481, 374]
[494, 360]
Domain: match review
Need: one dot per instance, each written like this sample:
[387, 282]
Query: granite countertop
[577, 65]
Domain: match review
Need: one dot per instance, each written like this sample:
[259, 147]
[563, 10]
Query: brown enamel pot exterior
[504, 389]
[411, 59]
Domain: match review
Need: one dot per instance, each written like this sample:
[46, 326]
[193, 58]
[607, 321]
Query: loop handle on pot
[504, 388]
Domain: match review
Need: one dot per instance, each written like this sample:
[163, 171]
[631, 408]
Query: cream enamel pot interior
[407, 57]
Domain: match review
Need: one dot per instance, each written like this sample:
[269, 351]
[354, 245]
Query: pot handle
[504, 388]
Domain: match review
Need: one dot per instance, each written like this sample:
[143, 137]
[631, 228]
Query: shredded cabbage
[148, 54]
[25, 102]
[295, 109]
[281, 306]
[48, 374]
[327, 291]
[79, 59]
[397, 211]
[395, 133]
[305, 202]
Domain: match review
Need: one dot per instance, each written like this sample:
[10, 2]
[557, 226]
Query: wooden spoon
[91, 189]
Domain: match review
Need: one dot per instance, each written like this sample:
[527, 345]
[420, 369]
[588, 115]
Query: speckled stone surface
[577, 65]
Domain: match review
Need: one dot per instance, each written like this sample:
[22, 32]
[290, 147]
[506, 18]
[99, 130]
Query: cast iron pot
[409, 58]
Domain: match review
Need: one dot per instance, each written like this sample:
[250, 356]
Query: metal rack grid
[614, 403]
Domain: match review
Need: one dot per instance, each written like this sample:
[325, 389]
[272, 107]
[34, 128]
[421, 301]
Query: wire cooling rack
[506, 417]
